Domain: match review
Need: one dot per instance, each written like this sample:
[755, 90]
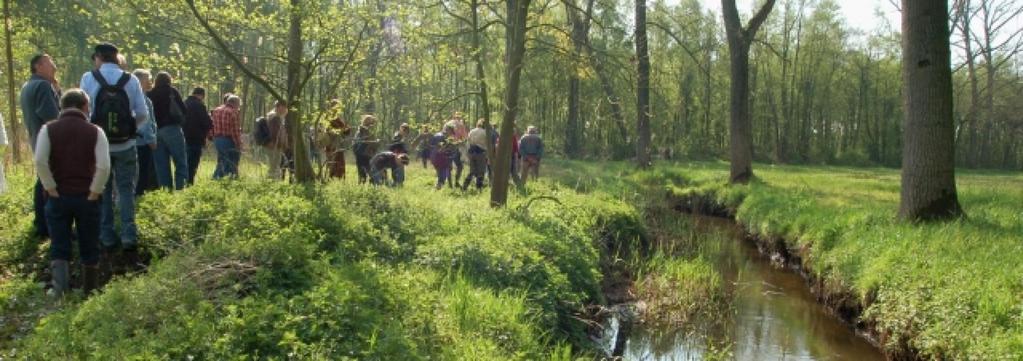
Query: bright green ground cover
[251, 269]
[949, 290]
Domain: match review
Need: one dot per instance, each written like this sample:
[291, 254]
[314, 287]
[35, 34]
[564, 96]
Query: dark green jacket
[39, 104]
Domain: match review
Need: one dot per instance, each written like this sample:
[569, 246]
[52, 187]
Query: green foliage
[678, 291]
[261, 270]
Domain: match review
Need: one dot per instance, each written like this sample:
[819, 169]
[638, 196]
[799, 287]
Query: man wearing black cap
[123, 155]
[197, 126]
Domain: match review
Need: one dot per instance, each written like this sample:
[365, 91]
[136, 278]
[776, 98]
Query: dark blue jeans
[227, 158]
[194, 156]
[124, 173]
[147, 170]
[67, 210]
[379, 177]
[170, 145]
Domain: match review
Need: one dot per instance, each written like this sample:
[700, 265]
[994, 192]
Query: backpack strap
[99, 78]
[125, 77]
[121, 82]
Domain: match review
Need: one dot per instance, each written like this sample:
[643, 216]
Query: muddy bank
[841, 301]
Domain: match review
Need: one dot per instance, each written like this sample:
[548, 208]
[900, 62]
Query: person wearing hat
[365, 147]
[197, 128]
[531, 149]
[123, 154]
[383, 161]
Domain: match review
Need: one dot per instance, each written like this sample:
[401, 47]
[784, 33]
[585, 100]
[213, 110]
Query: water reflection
[775, 317]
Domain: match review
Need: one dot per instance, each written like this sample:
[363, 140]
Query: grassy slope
[270, 270]
[952, 290]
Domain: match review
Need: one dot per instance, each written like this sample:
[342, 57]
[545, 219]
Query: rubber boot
[90, 279]
[61, 277]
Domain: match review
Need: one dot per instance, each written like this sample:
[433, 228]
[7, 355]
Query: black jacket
[162, 96]
[197, 121]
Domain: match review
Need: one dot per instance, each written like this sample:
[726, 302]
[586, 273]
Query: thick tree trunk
[740, 127]
[299, 150]
[12, 114]
[928, 156]
[518, 11]
[642, 88]
[573, 128]
[740, 124]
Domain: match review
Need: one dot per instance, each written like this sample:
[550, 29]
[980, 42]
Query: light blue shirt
[137, 99]
[147, 131]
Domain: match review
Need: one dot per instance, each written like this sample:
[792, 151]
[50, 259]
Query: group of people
[122, 133]
[448, 150]
[98, 147]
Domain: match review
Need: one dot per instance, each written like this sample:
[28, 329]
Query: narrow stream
[774, 316]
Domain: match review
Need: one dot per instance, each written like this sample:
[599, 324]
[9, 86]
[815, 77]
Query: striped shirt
[226, 124]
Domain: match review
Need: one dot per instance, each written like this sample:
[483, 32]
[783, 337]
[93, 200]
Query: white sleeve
[102, 152]
[42, 159]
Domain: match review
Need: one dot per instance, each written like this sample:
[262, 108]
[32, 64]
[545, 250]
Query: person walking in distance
[531, 148]
[197, 128]
[365, 146]
[277, 143]
[227, 137]
[170, 138]
[72, 159]
[477, 140]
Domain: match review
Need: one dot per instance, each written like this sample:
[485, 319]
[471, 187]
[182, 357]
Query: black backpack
[261, 135]
[113, 109]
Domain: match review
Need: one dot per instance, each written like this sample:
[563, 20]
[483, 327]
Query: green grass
[264, 270]
[948, 290]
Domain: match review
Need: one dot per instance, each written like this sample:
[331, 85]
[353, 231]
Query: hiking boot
[131, 261]
[61, 277]
[90, 279]
[109, 262]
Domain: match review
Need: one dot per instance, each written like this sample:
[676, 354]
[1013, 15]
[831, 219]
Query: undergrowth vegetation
[258, 270]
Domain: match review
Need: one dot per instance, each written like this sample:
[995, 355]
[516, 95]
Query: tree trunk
[481, 78]
[573, 128]
[518, 11]
[299, 150]
[928, 156]
[740, 125]
[12, 114]
[642, 88]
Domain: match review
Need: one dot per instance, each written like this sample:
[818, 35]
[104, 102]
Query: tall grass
[948, 290]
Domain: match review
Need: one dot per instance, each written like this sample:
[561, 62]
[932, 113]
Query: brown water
[774, 316]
